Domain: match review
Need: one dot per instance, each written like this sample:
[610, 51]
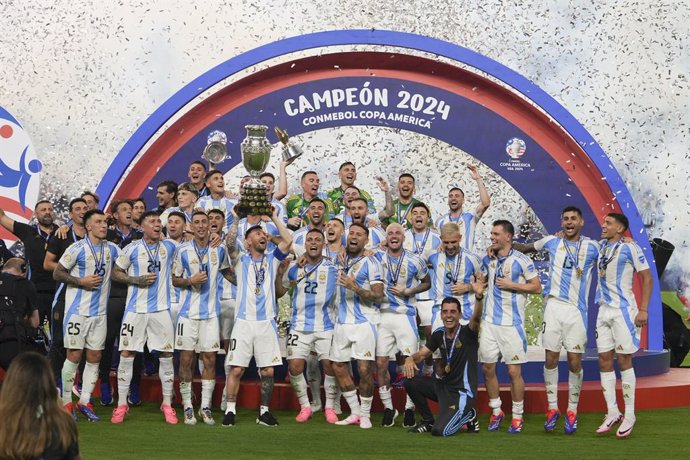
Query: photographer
[18, 310]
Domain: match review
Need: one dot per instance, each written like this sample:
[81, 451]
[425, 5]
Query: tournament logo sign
[19, 171]
[467, 101]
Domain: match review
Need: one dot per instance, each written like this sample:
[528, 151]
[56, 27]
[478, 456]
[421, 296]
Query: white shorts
[616, 330]
[397, 332]
[198, 335]
[507, 342]
[84, 332]
[138, 329]
[227, 317]
[564, 326]
[424, 310]
[300, 344]
[258, 339]
[356, 341]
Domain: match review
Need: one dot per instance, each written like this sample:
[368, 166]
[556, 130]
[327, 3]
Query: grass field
[145, 435]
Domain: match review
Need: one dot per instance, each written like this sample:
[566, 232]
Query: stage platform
[671, 389]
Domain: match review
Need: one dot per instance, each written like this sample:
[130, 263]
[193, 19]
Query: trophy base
[254, 201]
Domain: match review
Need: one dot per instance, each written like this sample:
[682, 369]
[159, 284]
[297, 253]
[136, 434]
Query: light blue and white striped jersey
[446, 270]
[616, 278]
[206, 203]
[567, 281]
[502, 307]
[352, 309]
[165, 214]
[376, 237]
[405, 271]
[83, 259]
[313, 296]
[281, 210]
[174, 291]
[201, 302]
[467, 222]
[299, 238]
[256, 292]
[137, 259]
[269, 227]
[422, 244]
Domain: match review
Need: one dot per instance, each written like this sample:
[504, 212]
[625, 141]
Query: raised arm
[6, 221]
[388, 209]
[282, 182]
[280, 288]
[484, 199]
[285, 235]
[478, 286]
[231, 239]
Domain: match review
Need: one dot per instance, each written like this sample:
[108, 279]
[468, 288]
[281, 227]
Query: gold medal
[578, 270]
[447, 369]
[602, 273]
[257, 291]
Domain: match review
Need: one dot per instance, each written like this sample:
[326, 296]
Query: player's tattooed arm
[231, 239]
[61, 275]
[280, 289]
[230, 275]
[484, 198]
[388, 209]
[524, 248]
[120, 276]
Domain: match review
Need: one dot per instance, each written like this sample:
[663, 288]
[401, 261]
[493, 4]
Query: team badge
[179, 342]
[458, 344]
[72, 341]
[214, 258]
[68, 258]
[322, 277]
[125, 342]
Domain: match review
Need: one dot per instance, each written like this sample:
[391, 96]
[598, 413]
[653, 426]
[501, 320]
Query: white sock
[551, 384]
[332, 390]
[518, 409]
[263, 410]
[88, 382]
[299, 384]
[124, 378]
[608, 385]
[69, 371]
[200, 363]
[232, 407]
[365, 408]
[495, 405]
[166, 373]
[574, 388]
[408, 403]
[352, 401]
[207, 387]
[628, 381]
[314, 379]
[186, 393]
[386, 399]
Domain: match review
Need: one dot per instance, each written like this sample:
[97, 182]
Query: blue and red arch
[567, 166]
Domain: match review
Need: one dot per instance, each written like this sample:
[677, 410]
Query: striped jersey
[376, 237]
[269, 227]
[256, 293]
[422, 244]
[503, 307]
[299, 238]
[405, 271]
[165, 214]
[206, 203]
[281, 210]
[201, 302]
[83, 259]
[616, 265]
[446, 270]
[467, 222]
[313, 295]
[138, 259]
[571, 264]
[352, 309]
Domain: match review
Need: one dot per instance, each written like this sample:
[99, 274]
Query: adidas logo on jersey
[620, 348]
[578, 347]
[367, 354]
[515, 358]
[276, 359]
[167, 346]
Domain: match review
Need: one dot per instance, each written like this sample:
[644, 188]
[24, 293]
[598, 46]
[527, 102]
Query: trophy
[291, 151]
[216, 149]
[256, 151]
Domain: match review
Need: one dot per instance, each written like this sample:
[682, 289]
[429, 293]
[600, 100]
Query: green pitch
[145, 435]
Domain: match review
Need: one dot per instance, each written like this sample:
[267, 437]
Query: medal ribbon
[402, 219]
[153, 258]
[394, 273]
[499, 265]
[200, 256]
[349, 265]
[420, 249]
[576, 258]
[307, 274]
[259, 272]
[97, 261]
[456, 270]
[451, 350]
[603, 261]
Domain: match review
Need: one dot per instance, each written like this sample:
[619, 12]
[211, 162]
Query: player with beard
[196, 175]
[358, 213]
[35, 239]
[360, 286]
[91, 199]
[467, 221]
[347, 173]
[403, 204]
[138, 210]
[298, 205]
[572, 259]
[85, 268]
[316, 214]
[311, 326]
[269, 180]
[145, 267]
[250, 221]
[166, 192]
[511, 277]
[255, 333]
[216, 198]
[405, 275]
[619, 321]
[199, 270]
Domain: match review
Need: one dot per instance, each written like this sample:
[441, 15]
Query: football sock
[332, 390]
[518, 409]
[495, 405]
[352, 401]
[365, 408]
[88, 382]
[574, 388]
[551, 384]
[299, 384]
[207, 387]
[263, 410]
[124, 378]
[628, 383]
[386, 399]
[166, 373]
[69, 371]
[232, 407]
[186, 393]
[608, 385]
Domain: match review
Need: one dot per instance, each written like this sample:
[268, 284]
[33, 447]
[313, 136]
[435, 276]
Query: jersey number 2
[310, 287]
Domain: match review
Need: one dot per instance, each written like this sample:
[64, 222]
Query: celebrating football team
[377, 299]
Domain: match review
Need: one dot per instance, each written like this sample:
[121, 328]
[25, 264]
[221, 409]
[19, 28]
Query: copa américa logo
[19, 170]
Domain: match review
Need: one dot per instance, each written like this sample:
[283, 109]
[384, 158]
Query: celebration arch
[466, 100]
